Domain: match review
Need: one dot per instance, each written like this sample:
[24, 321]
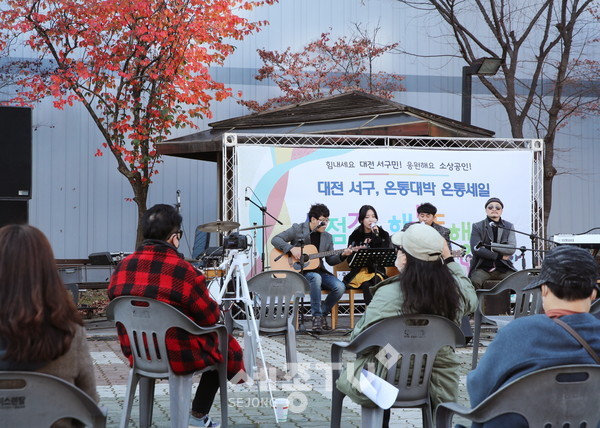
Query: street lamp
[483, 67]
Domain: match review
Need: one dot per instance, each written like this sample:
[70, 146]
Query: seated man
[488, 263]
[426, 213]
[158, 271]
[568, 287]
[312, 232]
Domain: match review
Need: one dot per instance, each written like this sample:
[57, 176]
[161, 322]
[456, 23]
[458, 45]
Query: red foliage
[325, 67]
[139, 67]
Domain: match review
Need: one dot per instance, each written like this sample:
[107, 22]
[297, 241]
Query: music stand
[372, 257]
[375, 257]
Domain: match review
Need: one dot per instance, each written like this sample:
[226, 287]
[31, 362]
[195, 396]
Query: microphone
[493, 224]
[375, 228]
[321, 224]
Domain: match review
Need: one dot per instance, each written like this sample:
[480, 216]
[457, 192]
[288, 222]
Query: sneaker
[206, 421]
[317, 324]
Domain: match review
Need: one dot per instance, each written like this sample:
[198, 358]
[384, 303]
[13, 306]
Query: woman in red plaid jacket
[158, 271]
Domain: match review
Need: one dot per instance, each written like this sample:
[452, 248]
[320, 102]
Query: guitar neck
[325, 254]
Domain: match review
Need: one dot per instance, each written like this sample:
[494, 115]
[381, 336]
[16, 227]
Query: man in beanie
[426, 214]
[489, 261]
[568, 282]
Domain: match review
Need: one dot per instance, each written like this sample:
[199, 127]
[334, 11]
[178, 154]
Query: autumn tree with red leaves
[140, 68]
[325, 67]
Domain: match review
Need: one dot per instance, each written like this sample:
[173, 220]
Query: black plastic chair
[565, 396]
[30, 399]
[416, 340]
[527, 303]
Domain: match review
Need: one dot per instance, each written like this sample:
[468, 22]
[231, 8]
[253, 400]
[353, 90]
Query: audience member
[430, 282]
[568, 282]
[40, 327]
[158, 271]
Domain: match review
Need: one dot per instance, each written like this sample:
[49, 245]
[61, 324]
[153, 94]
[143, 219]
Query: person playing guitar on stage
[312, 232]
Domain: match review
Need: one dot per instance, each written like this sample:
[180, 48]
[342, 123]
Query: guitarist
[313, 232]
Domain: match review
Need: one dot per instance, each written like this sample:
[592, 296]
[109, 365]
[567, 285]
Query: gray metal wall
[79, 200]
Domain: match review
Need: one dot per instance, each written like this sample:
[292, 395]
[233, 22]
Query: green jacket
[387, 302]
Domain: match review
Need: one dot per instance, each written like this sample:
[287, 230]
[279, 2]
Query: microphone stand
[264, 237]
[532, 237]
[522, 249]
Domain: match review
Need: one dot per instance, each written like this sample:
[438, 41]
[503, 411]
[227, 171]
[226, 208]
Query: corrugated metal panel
[79, 200]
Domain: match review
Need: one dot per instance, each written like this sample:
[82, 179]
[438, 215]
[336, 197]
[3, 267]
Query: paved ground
[309, 393]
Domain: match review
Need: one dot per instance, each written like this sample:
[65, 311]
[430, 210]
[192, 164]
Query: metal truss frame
[232, 140]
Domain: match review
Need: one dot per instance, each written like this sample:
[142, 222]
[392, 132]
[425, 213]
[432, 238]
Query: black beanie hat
[494, 200]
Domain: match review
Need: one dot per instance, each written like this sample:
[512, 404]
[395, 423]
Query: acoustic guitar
[308, 261]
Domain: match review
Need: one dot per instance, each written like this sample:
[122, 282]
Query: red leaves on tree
[140, 68]
[325, 67]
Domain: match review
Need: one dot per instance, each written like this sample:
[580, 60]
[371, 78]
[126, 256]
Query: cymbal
[219, 226]
[257, 227]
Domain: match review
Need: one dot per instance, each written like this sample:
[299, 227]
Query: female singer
[369, 234]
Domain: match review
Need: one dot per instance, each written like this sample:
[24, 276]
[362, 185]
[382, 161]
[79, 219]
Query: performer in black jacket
[370, 234]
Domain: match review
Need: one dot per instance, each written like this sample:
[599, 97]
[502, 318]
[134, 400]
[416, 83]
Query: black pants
[386, 418]
[365, 287]
[206, 392]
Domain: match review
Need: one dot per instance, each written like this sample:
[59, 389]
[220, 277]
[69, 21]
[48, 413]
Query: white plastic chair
[31, 399]
[147, 322]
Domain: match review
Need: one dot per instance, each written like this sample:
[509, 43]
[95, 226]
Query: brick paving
[309, 392]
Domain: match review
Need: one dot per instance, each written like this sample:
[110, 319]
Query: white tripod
[235, 270]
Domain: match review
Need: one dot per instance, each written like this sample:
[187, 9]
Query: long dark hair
[429, 288]
[362, 213]
[38, 317]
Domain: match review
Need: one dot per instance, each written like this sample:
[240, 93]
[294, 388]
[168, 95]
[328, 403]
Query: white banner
[287, 180]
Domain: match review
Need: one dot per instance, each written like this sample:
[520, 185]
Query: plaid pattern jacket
[157, 271]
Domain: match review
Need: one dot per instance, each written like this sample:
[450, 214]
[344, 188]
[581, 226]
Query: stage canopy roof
[351, 113]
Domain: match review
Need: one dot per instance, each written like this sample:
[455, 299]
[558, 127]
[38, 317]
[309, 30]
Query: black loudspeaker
[15, 146]
[101, 259]
[13, 212]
